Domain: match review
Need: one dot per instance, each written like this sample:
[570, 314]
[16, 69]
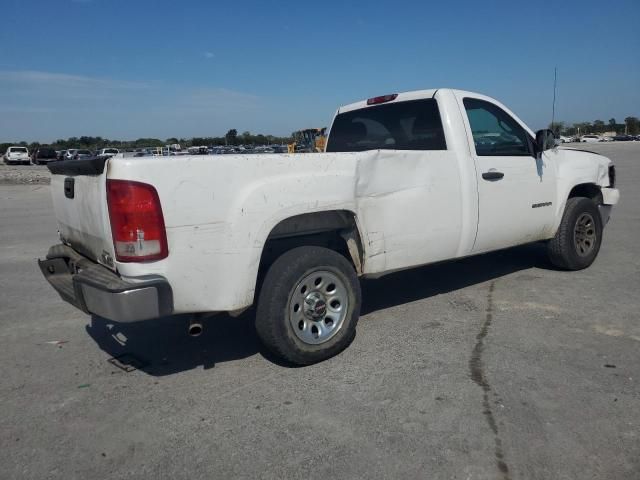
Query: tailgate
[78, 189]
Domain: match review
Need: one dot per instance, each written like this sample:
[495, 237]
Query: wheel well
[587, 190]
[336, 230]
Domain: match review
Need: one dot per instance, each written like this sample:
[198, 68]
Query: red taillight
[382, 99]
[137, 224]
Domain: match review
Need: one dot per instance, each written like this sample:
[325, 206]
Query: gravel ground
[492, 367]
[24, 174]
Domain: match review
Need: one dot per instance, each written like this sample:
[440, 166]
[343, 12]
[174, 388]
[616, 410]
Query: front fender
[577, 168]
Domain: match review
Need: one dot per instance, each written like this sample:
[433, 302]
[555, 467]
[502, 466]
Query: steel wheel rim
[584, 234]
[317, 307]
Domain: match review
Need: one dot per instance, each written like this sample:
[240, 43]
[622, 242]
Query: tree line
[631, 126]
[95, 143]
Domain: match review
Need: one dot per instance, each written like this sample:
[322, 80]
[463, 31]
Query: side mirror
[545, 139]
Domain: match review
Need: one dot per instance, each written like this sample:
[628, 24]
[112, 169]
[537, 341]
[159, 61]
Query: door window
[495, 133]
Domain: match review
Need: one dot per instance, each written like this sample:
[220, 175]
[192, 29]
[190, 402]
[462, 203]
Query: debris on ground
[24, 175]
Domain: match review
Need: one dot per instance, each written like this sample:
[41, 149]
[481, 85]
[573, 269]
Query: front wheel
[577, 241]
[309, 305]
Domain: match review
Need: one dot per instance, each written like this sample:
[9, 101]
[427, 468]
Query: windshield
[409, 125]
[83, 152]
[110, 150]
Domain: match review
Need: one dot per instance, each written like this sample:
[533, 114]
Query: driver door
[515, 189]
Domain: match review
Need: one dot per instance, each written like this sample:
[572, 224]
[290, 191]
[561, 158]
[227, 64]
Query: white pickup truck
[406, 180]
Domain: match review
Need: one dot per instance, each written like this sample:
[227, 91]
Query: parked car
[107, 152]
[43, 155]
[60, 154]
[564, 139]
[82, 154]
[624, 138]
[398, 188]
[15, 155]
[590, 139]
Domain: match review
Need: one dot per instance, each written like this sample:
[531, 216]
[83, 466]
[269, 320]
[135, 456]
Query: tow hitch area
[95, 289]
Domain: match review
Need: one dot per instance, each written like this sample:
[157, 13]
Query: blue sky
[141, 68]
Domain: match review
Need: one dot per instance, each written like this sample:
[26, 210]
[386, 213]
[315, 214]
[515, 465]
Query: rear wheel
[309, 305]
[577, 241]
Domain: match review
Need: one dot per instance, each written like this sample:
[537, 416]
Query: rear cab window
[17, 150]
[408, 125]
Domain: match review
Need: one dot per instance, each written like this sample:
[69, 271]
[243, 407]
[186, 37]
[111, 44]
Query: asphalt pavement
[493, 367]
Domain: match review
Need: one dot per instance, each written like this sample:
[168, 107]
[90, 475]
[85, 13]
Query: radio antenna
[553, 106]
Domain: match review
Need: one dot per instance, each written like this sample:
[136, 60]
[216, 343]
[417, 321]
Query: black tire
[566, 249]
[273, 324]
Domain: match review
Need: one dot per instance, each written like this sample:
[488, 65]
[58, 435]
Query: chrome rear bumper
[97, 290]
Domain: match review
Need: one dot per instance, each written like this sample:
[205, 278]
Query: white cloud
[38, 78]
[209, 55]
[38, 105]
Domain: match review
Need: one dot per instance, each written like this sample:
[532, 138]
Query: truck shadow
[162, 347]
[423, 282]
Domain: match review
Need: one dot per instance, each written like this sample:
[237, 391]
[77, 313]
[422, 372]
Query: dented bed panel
[409, 203]
[220, 210]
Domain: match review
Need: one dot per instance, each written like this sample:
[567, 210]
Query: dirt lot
[492, 367]
[23, 174]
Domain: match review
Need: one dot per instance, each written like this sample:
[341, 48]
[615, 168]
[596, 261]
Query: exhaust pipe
[195, 327]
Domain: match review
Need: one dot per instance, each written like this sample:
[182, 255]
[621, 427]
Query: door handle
[492, 175]
[69, 187]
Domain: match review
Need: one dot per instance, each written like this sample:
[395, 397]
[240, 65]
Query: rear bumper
[97, 290]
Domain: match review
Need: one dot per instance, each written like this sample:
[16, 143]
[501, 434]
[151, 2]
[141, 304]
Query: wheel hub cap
[318, 306]
[584, 235]
[315, 306]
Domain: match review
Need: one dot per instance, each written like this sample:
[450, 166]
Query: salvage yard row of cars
[43, 155]
[591, 138]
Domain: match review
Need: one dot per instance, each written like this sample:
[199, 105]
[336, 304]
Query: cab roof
[401, 97]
